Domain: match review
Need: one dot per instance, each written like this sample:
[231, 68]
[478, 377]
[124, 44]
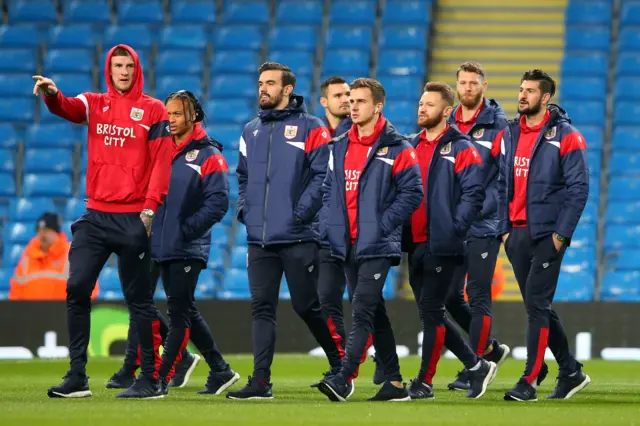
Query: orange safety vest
[43, 275]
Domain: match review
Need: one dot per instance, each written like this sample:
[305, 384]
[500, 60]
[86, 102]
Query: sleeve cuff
[150, 204]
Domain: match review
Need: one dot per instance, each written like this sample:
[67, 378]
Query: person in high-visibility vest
[43, 269]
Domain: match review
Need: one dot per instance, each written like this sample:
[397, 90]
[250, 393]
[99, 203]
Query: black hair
[324, 86]
[547, 84]
[288, 77]
[190, 102]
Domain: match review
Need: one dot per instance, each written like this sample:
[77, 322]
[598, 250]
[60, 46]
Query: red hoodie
[129, 143]
[354, 162]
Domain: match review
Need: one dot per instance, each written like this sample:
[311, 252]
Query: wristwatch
[148, 212]
[560, 237]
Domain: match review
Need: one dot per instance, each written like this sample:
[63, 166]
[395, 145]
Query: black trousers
[95, 236]
[370, 323]
[299, 263]
[536, 265]
[431, 278]
[331, 285]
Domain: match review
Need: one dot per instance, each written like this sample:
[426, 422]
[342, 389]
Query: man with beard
[481, 119]
[435, 236]
[334, 97]
[283, 162]
[543, 187]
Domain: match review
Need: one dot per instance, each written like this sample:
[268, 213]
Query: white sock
[476, 367]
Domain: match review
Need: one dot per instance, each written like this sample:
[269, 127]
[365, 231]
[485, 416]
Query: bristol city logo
[290, 132]
[136, 114]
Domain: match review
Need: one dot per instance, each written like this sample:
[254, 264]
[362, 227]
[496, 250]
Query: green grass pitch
[612, 398]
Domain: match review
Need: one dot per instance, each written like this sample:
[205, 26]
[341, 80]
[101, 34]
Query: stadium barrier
[38, 329]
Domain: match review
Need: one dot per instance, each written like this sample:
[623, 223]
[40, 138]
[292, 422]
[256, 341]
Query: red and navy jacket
[129, 141]
[342, 128]
[558, 177]
[490, 121]
[389, 190]
[454, 194]
[282, 164]
[198, 199]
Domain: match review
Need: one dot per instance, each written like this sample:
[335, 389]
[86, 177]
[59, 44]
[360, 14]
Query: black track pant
[299, 263]
[536, 265]
[331, 285]
[95, 236]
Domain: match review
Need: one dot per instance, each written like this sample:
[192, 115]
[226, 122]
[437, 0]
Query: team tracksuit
[543, 187]
[283, 162]
[129, 150]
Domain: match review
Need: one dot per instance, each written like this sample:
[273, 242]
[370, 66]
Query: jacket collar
[296, 105]
[491, 110]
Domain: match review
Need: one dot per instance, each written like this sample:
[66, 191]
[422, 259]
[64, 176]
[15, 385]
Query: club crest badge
[290, 132]
[478, 133]
[382, 151]
[136, 114]
[192, 155]
[446, 149]
[551, 133]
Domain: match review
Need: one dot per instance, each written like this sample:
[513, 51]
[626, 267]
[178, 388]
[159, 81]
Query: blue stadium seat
[5, 283]
[135, 12]
[584, 235]
[400, 112]
[293, 37]
[11, 254]
[74, 83]
[588, 39]
[621, 286]
[626, 137]
[622, 260]
[82, 187]
[588, 13]
[406, 12]
[179, 62]
[59, 135]
[618, 237]
[23, 35]
[304, 12]
[217, 257]
[7, 160]
[349, 38]
[219, 237]
[165, 85]
[403, 38]
[228, 134]
[233, 86]
[191, 37]
[9, 137]
[48, 160]
[401, 87]
[239, 257]
[594, 136]
[236, 285]
[110, 286]
[238, 38]
[588, 88]
[401, 62]
[303, 86]
[594, 160]
[300, 62]
[29, 209]
[626, 88]
[574, 64]
[228, 110]
[346, 62]
[352, 12]
[630, 13]
[46, 184]
[628, 64]
[17, 60]
[17, 110]
[624, 163]
[622, 212]
[87, 12]
[15, 85]
[18, 232]
[626, 112]
[242, 61]
[629, 40]
[193, 12]
[206, 287]
[624, 188]
[69, 60]
[585, 112]
[74, 208]
[33, 11]
[240, 237]
[7, 185]
[137, 36]
[579, 259]
[575, 287]
[252, 12]
[72, 37]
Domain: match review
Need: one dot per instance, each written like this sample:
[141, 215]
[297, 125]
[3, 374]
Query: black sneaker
[72, 386]
[544, 371]
[499, 353]
[481, 378]
[522, 392]
[336, 388]
[567, 386]
[184, 368]
[220, 382]
[378, 375]
[326, 375]
[420, 390]
[390, 393]
[121, 380]
[255, 389]
[461, 382]
[144, 388]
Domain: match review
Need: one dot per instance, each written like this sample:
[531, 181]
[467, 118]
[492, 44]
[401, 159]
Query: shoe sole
[353, 389]
[79, 394]
[509, 397]
[251, 398]
[228, 384]
[110, 386]
[141, 397]
[192, 367]
[504, 356]
[488, 379]
[454, 388]
[330, 393]
[578, 388]
[406, 398]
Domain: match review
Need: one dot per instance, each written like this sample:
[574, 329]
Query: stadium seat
[72, 37]
[242, 61]
[588, 13]
[400, 112]
[588, 88]
[575, 287]
[17, 60]
[628, 64]
[233, 86]
[165, 85]
[588, 39]
[617, 237]
[135, 12]
[226, 133]
[233, 188]
[627, 113]
[622, 260]
[74, 208]
[228, 110]
[252, 12]
[341, 62]
[579, 259]
[238, 38]
[293, 37]
[352, 12]
[593, 135]
[621, 286]
[594, 160]
[191, 37]
[110, 286]
[7, 160]
[33, 11]
[624, 188]
[585, 112]
[87, 12]
[23, 35]
[217, 257]
[301, 63]
[179, 62]
[401, 87]
[11, 254]
[630, 13]
[7, 185]
[403, 38]
[349, 38]
[19, 232]
[401, 62]
[9, 137]
[15, 85]
[624, 163]
[193, 12]
[622, 212]
[17, 110]
[48, 160]
[206, 287]
[303, 86]
[74, 83]
[59, 135]
[584, 235]
[406, 12]
[629, 40]
[304, 12]
[236, 285]
[239, 257]
[626, 137]
[574, 64]
[69, 60]
[46, 184]
[5, 283]
[219, 237]
[626, 88]
[82, 187]
[137, 36]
